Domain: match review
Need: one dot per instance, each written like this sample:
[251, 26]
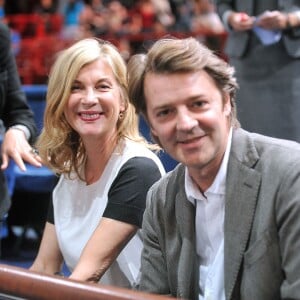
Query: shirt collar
[219, 184]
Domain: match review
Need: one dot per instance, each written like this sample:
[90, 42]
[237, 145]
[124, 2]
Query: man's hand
[240, 21]
[272, 20]
[16, 147]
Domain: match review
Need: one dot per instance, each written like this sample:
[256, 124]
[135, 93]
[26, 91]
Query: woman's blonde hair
[59, 145]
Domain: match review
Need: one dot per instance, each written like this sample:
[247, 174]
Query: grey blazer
[262, 226]
[237, 42]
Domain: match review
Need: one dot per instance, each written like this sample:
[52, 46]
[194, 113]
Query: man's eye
[163, 113]
[198, 104]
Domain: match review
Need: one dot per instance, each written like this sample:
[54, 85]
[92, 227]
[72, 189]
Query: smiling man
[225, 223]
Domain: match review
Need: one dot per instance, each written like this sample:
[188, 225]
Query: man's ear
[154, 136]
[227, 104]
[153, 131]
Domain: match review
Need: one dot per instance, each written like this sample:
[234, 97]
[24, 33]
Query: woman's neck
[97, 157]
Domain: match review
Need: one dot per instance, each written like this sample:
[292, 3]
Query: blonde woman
[91, 139]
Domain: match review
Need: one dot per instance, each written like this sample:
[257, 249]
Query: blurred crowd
[131, 25]
[120, 17]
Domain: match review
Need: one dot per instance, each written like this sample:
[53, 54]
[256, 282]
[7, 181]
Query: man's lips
[189, 140]
[190, 144]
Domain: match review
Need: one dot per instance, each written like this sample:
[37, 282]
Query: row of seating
[36, 25]
[30, 190]
[34, 179]
[36, 56]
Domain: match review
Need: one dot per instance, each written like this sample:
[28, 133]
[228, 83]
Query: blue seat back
[168, 162]
[36, 97]
[37, 180]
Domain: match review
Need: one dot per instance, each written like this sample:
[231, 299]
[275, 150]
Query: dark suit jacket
[262, 226]
[237, 42]
[13, 106]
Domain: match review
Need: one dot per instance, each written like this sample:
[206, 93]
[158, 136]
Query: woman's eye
[75, 88]
[102, 87]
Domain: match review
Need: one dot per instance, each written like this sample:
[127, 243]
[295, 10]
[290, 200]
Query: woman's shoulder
[133, 149]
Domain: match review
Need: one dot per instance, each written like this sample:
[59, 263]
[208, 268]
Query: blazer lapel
[189, 268]
[247, 6]
[241, 195]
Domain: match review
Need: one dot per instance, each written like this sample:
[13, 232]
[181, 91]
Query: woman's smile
[90, 116]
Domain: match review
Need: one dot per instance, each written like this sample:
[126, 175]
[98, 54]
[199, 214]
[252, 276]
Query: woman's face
[95, 102]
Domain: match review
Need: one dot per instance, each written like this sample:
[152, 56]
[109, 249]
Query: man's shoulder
[168, 186]
[167, 195]
[4, 32]
[5, 41]
[172, 177]
[264, 148]
[275, 145]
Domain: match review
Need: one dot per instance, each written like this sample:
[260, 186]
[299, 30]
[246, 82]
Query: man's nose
[185, 120]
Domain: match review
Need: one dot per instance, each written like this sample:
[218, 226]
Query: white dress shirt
[209, 222]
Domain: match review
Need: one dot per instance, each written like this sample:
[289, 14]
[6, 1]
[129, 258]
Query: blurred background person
[47, 10]
[17, 118]
[183, 13]
[19, 7]
[93, 18]
[206, 18]
[71, 13]
[264, 47]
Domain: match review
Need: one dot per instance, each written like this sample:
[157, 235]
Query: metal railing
[18, 283]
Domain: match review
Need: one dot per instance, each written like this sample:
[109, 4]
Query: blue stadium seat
[168, 162]
[36, 180]
[32, 188]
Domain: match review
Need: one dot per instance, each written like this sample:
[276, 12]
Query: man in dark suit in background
[264, 47]
[17, 119]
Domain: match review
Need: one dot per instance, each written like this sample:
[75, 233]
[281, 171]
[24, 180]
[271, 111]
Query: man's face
[187, 114]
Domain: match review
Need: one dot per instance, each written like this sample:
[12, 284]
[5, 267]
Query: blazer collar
[185, 214]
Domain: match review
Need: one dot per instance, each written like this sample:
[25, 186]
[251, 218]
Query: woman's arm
[49, 259]
[121, 219]
[108, 240]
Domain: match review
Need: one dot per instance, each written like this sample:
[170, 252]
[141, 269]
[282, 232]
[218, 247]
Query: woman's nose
[90, 97]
